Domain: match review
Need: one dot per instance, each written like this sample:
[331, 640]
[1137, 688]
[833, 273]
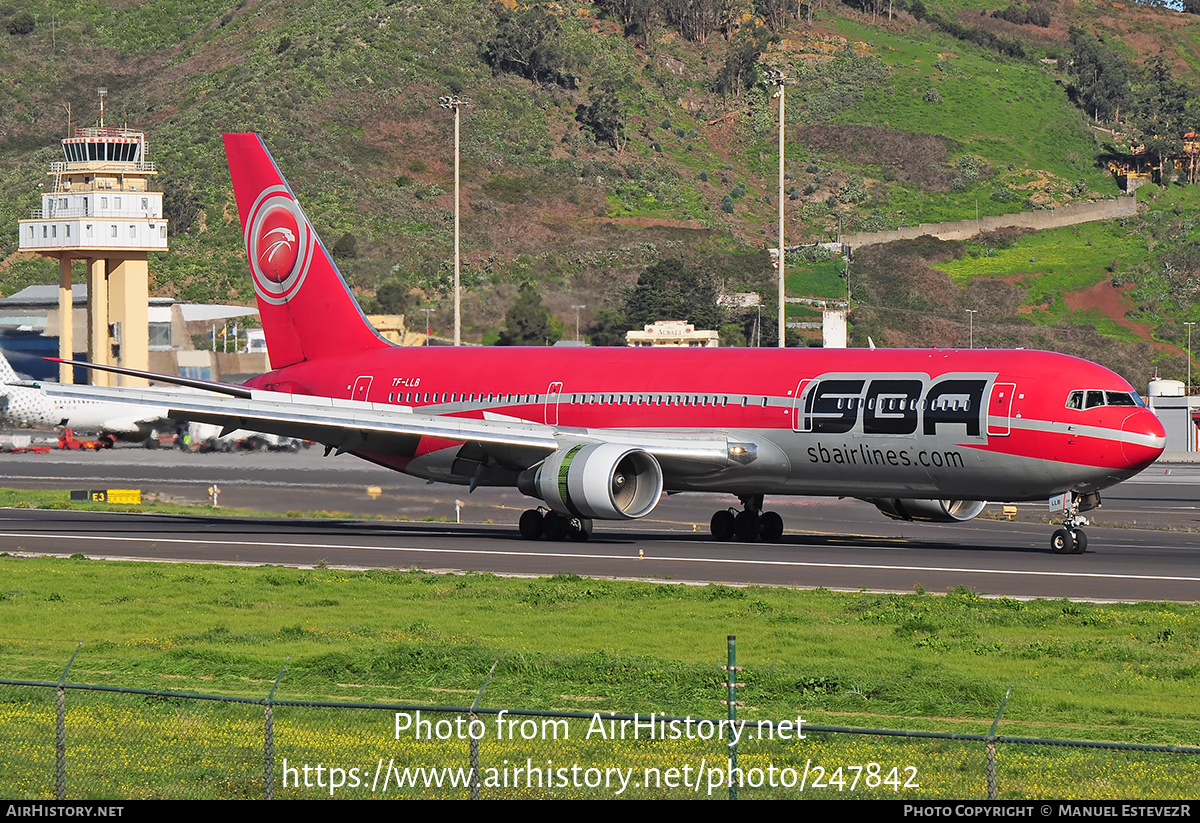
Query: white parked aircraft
[34, 407]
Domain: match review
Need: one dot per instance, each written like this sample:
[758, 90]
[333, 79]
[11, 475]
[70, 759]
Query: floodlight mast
[775, 77]
[448, 101]
[577, 309]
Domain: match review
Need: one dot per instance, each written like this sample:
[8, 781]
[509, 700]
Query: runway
[840, 544]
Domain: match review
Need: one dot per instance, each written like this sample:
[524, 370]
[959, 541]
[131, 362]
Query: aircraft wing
[353, 425]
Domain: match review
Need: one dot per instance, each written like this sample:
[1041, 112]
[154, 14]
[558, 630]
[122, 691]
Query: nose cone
[1145, 439]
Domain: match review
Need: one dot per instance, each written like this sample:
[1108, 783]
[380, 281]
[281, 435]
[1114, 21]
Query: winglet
[307, 310]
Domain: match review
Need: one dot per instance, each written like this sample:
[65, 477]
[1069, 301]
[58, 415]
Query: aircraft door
[362, 387]
[800, 421]
[1000, 409]
[552, 395]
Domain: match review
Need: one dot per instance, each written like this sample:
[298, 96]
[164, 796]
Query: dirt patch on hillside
[1114, 303]
[911, 157]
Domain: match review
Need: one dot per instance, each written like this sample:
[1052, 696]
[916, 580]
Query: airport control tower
[99, 209]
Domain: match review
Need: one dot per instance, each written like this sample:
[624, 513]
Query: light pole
[577, 308]
[971, 326]
[774, 77]
[1189, 376]
[453, 102]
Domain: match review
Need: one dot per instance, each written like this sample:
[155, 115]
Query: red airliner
[601, 433]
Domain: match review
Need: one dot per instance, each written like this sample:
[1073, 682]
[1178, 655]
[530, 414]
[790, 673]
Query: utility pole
[456, 103]
[1189, 373]
[428, 327]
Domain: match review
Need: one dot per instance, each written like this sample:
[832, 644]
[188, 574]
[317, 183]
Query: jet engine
[605, 481]
[933, 511]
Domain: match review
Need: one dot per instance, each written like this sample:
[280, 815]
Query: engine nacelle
[599, 480]
[933, 511]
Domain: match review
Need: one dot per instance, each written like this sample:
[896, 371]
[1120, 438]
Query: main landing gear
[1070, 539]
[538, 523]
[748, 525]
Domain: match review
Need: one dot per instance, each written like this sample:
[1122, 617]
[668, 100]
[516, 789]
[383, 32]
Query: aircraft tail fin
[307, 310]
[7, 373]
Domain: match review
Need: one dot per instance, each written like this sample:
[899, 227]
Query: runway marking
[622, 557]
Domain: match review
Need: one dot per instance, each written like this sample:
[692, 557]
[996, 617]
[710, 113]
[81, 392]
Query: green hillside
[604, 137]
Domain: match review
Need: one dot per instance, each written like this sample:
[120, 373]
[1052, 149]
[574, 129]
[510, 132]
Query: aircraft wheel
[579, 529]
[554, 526]
[531, 524]
[772, 527]
[748, 525]
[721, 526]
[1080, 540]
[1061, 542]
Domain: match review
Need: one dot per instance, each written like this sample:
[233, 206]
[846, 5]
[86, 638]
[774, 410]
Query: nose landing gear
[748, 525]
[1071, 539]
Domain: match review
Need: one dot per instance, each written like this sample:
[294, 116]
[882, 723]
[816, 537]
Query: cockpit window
[1119, 398]
[1096, 398]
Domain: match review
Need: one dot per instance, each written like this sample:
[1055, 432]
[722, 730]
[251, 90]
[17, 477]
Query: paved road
[841, 544]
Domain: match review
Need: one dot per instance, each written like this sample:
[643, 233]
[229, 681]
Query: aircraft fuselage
[929, 423]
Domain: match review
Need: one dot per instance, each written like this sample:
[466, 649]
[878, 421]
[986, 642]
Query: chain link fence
[80, 741]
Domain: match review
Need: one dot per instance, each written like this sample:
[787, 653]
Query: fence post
[474, 755]
[993, 787]
[269, 738]
[731, 669]
[60, 731]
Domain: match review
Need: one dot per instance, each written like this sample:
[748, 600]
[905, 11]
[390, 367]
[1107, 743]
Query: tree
[1161, 101]
[773, 12]
[673, 290]
[694, 19]
[21, 23]
[1191, 6]
[635, 15]
[608, 329]
[346, 248]
[1102, 84]
[393, 297]
[1160, 110]
[530, 43]
[528, 322]
[740, 71]
[603, 118]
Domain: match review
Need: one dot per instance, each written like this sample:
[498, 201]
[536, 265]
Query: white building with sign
[678, 333]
